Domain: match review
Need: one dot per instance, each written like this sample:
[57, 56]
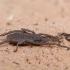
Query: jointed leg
[62, 34]
[49, 37]
[26, 30]
[10, 32]
[16, 49]
[67, 36]
[19, 43]
[58, 45]
[43, 43]
[46, 35]
[13, 31]
[63, 46]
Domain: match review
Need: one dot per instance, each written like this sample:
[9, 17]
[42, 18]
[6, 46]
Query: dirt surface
[42, 16]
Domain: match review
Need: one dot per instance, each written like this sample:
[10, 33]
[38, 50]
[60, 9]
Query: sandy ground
[42, 16]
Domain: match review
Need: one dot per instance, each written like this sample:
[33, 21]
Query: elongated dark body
[28, 37]
[25, 38]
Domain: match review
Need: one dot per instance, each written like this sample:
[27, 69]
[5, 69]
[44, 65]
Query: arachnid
[26, 37]
[22, 37]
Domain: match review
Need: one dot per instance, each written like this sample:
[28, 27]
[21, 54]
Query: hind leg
[10, 32]
[14, 31]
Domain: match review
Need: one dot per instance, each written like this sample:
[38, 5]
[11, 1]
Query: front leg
[3, 42]
[57, 45]
[67, 38]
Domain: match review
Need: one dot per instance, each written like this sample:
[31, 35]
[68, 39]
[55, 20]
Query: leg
[63, 46]
[49, 37]
[58, 45]
[26, 30]
[16, 49]
[19, 43]
[10, 32]
[13, 31]
[67, 38]
[46, 35]
[43, 43]
[62, 34]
